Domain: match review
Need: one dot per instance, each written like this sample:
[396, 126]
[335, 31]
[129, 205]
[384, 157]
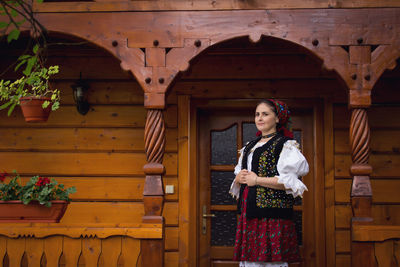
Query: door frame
[188, 174]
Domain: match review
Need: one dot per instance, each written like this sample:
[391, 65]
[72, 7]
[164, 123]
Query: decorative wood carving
[155, 48]
[359, 136]
[153, 194]
[154, 136]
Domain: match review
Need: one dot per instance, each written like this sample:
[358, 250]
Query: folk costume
[265, 234]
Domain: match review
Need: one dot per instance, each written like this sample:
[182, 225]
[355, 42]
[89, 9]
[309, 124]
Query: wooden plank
[110, 188]
[76, 164]
[381, 141]
[318, 135]
[383, 190]
[15, 251]
[80, 139]
[381, 214]
[343, 260]
[34, 251]
[118, 92]
[111, 250]
[91, 249]
[171, 238]
[377, 117]
[342, 241]
[221, 253]
[396, 250]
[151, 5]
[171, 259]
[270, 88]
[376, 233]
[72, 248]
[53, 247]
[383, 166]
[329, 184]
[112, 213]
[98, 116]
[170, 213]
[106, 68]
[3, 248]
[187, 234]
[130, 251]
[343, 216]
[384, 253]
[254, 67]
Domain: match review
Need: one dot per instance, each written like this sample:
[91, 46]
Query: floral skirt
[265, 240]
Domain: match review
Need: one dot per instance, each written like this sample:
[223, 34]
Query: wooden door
[221, 134]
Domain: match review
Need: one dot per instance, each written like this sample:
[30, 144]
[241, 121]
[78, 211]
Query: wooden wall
[101, 153]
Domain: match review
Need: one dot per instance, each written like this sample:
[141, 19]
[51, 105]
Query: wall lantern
[80, 90]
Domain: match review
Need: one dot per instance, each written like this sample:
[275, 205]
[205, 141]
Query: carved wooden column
[361, 192]
[153, 194]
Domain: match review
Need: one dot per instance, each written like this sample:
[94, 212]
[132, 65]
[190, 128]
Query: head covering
[283, 114]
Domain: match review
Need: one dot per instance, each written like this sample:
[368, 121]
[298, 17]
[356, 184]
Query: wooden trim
[222, 168]
[186, 245]
[139, 231]
[319, 192]
[329, 184]
[379, 233]
[106, 6]
[194, 227]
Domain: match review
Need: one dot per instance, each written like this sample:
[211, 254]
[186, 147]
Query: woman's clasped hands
[246, 177]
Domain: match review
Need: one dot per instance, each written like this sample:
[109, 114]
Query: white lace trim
[262, 264]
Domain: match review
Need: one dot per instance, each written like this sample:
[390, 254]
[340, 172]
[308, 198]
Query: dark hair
[268, 103]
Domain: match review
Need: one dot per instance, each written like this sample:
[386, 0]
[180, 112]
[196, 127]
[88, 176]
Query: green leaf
[13, 13]
[13, 35]
[11, 109]
[35, 49]
[5, 105]
[19, 65]
[29, 66]
[24, 57]
[55, 105]
[39, 1]
[19, 23]
[45, 104]
[3, 24]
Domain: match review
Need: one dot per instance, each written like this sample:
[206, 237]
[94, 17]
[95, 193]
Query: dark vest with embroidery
[265, 202]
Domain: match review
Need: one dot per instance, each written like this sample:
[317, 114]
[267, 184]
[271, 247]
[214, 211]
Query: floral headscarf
[283, 113]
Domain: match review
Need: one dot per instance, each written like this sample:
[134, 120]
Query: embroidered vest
[265, 202]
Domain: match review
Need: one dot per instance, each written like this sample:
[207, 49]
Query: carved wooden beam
[156, 46]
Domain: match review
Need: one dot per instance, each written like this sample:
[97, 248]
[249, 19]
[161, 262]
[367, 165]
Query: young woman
[266, 183]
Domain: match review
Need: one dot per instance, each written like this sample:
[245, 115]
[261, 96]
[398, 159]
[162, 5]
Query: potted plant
[40, 200]
[32, 91]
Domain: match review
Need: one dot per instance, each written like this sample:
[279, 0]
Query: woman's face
[265, 119]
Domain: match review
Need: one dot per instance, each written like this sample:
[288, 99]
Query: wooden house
[173, 86]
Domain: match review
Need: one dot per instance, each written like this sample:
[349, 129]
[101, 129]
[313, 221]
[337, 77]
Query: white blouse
[291, 165]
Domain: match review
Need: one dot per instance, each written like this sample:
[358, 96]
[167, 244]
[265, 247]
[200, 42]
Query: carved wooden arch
[156, 46]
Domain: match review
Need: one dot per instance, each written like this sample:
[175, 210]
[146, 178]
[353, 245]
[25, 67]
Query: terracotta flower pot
[16, 211]
[32, 109]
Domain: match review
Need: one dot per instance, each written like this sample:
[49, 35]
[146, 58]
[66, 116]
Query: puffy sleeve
[235, 187]
[291, 165]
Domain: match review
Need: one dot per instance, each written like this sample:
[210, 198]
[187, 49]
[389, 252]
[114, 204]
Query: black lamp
[80, 89]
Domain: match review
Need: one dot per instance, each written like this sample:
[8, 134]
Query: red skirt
[265, 240]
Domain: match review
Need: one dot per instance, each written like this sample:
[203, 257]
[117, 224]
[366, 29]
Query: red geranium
[3, 176]
[42, 181]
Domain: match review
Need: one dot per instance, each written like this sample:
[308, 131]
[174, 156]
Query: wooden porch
[144, 82]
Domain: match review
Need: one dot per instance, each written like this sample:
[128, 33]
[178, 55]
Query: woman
[266, 184]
